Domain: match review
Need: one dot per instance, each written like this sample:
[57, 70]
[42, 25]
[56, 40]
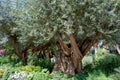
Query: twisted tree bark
[69, 59]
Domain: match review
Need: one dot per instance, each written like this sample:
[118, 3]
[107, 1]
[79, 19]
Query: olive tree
[68, 28]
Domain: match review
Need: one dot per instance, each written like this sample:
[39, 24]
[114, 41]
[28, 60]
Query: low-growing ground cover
[104, 66]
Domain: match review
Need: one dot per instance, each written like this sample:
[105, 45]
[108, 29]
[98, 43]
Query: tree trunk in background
[20, 53]
[69, 60]
[24, 58]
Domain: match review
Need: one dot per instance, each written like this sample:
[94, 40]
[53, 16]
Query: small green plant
[32, 58]
[58, 75]
[116, 76]
[79, 77]
[97, 75]
[43, 75]
[18, 75]
[30, 68]
[4, 60]
[46, 64]
[7, 72]
[1, 72]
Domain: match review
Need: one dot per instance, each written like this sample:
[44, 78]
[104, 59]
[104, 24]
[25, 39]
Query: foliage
[18, 76]
[1, 72]
[105, 63]
[116, 76]
[30, 68]
[101, 51]
[3, 60]
[31, 24]
[32, 59]
[98, 75]
[59, 76]
[7, 72]
[62, 76]
[103, 68]
[46, 64]
[100, 70]
[17, 72]
[87, 60]
[43, 75]
[36, 22]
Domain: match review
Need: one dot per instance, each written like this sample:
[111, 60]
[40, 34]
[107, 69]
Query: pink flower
[2, 51]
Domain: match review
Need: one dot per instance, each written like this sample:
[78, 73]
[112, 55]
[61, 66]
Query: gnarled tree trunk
[20, 53]
[69, 59]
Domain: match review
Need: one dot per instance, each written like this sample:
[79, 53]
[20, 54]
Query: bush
[7, 72]
[46, 64]
[1, 72]
[79, 77]
[43, 75]
[108, 63]
[18, 76]
[116, 76]
[4, 60]
[87, 60]
[97, 75]
[30, 68]
[58, 75]
[104, 68]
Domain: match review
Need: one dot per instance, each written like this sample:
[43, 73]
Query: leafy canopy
[37, 21]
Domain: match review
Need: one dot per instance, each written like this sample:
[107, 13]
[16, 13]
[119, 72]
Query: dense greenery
[36, 21]
[92, 70]
[36, 30]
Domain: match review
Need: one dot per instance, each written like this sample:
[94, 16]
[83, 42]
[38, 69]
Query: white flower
[18, 76]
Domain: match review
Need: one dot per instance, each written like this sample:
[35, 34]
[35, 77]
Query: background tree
[68, 28]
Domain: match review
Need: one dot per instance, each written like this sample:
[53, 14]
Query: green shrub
[1, 72]
[108, 63]
[87, 60]
[7, 72]
[79, 77]
[4, 60]
[101, 51]
[18, 75]
[46, 64]
[43, 75]
[32, 58]
[30, 68]
[103, 68]
[58, 75]
[97, 75]
[116, 76]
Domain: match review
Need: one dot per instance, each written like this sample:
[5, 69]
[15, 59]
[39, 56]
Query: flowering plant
[2, 51]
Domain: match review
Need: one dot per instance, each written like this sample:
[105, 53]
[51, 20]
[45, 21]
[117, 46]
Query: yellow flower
[1, 71]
